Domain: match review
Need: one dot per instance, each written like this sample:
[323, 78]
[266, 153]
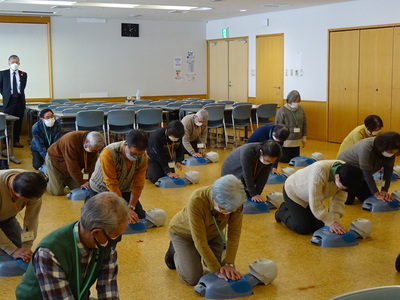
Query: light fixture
[167, 7]
[109, 5]
[42, 2]
[203, 8]
[275, 5]
[242, 10]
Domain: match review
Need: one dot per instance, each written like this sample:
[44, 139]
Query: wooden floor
[305, 271]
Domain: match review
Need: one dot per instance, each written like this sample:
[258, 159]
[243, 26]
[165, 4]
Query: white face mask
[49, 122]
[387, 154]
[174, 139]
[198, 123]
[275, 139]
[221, 210]
[374, 133]
[294, 105]
[14, 66]
[339, 184]
[130, 157]
[263, 161]
[87, 149]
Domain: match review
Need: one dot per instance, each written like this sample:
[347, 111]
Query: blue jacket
[261, 134]
[40, 142]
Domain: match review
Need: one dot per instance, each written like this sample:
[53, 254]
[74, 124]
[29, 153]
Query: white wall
[306, 32]
[29, 43]
[94, 58]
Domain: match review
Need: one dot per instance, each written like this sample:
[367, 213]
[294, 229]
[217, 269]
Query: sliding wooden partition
[364, 75]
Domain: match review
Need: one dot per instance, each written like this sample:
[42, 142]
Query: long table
[10, 120]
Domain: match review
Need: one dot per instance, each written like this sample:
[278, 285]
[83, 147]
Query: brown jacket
[68, 155]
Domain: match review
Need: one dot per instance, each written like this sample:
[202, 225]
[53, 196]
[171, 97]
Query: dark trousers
[37, 159]
[16, 107]
[297, 218]
[362, 193]
[194, 145]
[155, 171]
[12, 229]
[127, 196]
[288, 153]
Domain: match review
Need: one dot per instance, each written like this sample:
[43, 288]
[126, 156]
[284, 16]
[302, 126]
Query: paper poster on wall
[178, 68]
[190, 59]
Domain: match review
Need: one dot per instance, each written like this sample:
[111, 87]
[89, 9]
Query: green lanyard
[47, 137]
[223, 237]
[92, 266]
[296, 120]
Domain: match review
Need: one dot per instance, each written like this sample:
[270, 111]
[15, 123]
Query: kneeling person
[304, 192]
[121, 168]
[19, 189]
[197, 231]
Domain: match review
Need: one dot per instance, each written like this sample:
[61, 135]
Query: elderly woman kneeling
[197, 231]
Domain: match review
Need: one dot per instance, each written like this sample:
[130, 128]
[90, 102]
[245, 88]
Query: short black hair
[137, 138]
[281, 132]
[271, 149]
[350, 176]
[29, 185]
[373, 122]
[387, 141]
[13, 56]
[176, 129]
[44, 111]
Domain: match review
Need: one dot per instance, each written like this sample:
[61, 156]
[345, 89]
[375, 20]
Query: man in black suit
[12, 88]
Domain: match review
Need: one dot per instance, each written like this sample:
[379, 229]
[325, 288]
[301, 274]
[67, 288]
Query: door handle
[277, 87]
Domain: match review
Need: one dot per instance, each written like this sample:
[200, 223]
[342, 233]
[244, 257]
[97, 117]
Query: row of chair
[149, 119]
[241, 114]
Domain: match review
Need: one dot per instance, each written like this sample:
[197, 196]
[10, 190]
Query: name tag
[296, 129]
[85, 176]
[27, 236]
[200, 145]
[171, 164]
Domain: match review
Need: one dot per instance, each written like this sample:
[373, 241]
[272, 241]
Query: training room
[322, 67]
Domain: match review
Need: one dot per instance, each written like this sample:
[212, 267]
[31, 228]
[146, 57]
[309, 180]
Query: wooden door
[269, 69]
[217, 70]
[375, 85]
[395, 111]
[343, 84]
[238, 70]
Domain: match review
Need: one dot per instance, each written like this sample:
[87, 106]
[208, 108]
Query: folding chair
[120, 122]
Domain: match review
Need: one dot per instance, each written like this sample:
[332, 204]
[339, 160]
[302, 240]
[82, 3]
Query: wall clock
[129, 29]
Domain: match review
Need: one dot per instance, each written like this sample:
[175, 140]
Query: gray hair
[96, 139]
[228, 191]
[293, 96]
[202, 114]
[13, 57]
[104, 211]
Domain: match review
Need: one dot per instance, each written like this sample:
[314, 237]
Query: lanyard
[91, 266]
[19, 212]
[85, 159]
[47, 136]
[296, 120]
[223, 237]
[255, 173]
[171, 150]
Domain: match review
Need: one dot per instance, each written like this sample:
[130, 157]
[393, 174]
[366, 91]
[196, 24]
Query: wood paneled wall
[317, 119]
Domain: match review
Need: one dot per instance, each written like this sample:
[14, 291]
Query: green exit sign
[225, 33]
